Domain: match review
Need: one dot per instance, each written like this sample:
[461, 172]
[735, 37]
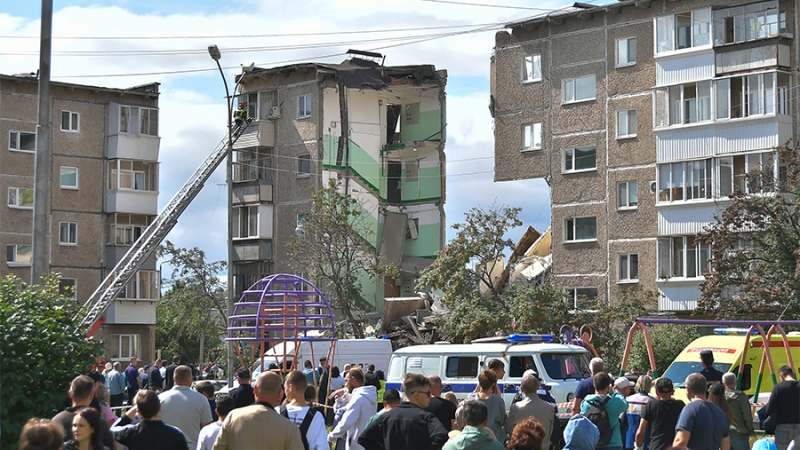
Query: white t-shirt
[317, 435]
[186, 410]
[208, 435]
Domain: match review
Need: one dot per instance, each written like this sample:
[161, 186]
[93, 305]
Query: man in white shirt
[208, 435]
[297, 409]
[184, 408]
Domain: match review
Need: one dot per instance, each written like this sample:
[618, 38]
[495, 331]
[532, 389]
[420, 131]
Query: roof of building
[575, 10]
[145, 90]
[358, 73]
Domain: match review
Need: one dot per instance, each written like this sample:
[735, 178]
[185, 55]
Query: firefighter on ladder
[240, 116]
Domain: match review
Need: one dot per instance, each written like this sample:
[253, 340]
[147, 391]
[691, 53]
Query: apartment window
[628, 268]
[125, 346]
[304, 165]
[583, 298]
[751, 95]
[304, 106]
[579, 89]
[20, 198]
[143, 286]
[245, 222]
[19, 254]
[580, 159]
[683, 30]
[70, 121]
[68, 233]
[749, 22]
[21, 141]
[136, 120]
[67, 288]
[531, 68]
[627, 195]
[412, 232]
[680, 181]
[683, 104]
[532, 136]
[626, 123]
[580, 229]
[136, 175]
[126, 234]
[626, 52]
[683, 257]
[69, 177]
[733, 172]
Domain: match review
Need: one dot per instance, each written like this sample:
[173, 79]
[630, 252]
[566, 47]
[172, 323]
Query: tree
[668, 342]
[755, 246]
[40, 352]
[334, 250]
[195, 307]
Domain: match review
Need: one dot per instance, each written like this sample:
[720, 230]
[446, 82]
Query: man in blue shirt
[132, 380]
[586, 386]
[614, 408]
[701, 425]
[116, 385]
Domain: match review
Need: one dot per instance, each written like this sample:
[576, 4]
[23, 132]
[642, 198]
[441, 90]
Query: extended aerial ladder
[105, 294]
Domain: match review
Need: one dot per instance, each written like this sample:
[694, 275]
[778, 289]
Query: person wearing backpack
[603, 410]
[297, 409]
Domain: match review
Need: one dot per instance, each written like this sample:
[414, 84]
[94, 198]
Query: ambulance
[728, 345]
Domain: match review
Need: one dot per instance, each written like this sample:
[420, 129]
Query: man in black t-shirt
[443, 409]
[711, 374]
[156, 381]
[170, 379]
[784, 406]
[661, 416]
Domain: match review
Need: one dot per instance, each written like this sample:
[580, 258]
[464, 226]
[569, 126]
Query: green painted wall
[430, 122]
[426, 245]
[429, 186]
[361, 163]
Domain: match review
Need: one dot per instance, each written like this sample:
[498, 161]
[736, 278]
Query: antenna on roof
[369, 56]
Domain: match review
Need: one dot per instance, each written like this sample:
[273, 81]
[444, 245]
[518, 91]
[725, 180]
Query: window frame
[535, 60]
[674, 32]
[576, 295]
[574, 158]
[19, 140]
[698, 248]
[532, 130]
[630, 40]
[628, 126]
[627, 264]
[574, 229]
[627, 204]
[301, 159]
[134, 286]
[304, 105]
[61, 178]
[14, 261]
[243, 221]
[71, 233]
[73, 121]
[134, 343]
[17, 196]
[573, 82]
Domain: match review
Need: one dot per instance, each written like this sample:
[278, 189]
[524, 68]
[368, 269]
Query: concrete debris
[412, 320]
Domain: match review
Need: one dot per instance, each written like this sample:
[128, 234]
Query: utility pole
[41, 192]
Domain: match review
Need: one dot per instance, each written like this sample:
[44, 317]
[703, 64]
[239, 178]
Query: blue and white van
[559, 366]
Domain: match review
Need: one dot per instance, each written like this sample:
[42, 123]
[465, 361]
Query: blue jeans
[785, 433]
[740, 442]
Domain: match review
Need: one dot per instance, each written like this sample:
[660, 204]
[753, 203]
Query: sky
[121, 43]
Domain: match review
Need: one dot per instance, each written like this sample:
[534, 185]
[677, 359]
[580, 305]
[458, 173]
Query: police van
[559, 366]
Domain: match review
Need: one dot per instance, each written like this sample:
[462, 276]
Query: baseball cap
[664, 386]
[146, 367]
[622, 383]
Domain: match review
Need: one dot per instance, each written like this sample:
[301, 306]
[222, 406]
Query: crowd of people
[321, 408]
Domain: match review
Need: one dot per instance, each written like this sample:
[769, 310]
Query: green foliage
[755, 247]
[40, 352]
[185, 311]
[334, 251]
[668, 341]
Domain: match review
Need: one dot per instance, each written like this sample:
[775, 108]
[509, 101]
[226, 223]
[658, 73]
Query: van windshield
[565, 366]
[679, 370]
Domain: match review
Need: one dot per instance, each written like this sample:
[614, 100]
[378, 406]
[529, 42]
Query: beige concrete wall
[632, 223]
[646, 251]
[580, 186]
[579, 257]
[510, 162]
[632, 151]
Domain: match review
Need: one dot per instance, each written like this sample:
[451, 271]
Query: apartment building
[378, 129]
[642, 116]
[103, 193]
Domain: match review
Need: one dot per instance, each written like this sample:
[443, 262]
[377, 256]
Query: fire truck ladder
[105, 294]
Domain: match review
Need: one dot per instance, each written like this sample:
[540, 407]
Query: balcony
[252, 251]
[678, 296]
[125, 146]
[261, 193]
[132, 312]
[132, 201]
[774, 53]
[259, 133]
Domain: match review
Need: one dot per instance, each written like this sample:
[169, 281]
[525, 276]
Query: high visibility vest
[240, 114]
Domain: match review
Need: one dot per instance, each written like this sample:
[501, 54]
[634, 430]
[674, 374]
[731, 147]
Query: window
[751, 95]
[626, 52]
[20, 198]
[126, 234]
[245, 222]
[67, 288]
[532, 136]
[747, 23]
[733, 172]
[69, 177]
[580, 159]
[19, 254]
[579, 89]
[531, 68]
[412, 231]
[691, 180]
[304, 106]
[683, 104]
[628, 268]
[21, 141]
[143, 286]
[683, 30]
[70, 121]
[565, 366]
[303, 165]
[627, 195]
[462, 366]
[580, 229]
[683, 257]
[136, 175]
[583, 298]
[626, 123]
[125, 346]
[517, 365]
[135, 120]
[68, 233]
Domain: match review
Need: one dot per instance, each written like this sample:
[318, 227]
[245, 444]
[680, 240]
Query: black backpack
[303, 426]
[598, 415]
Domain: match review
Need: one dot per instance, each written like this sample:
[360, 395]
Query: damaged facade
[378, 129]
[642, 116]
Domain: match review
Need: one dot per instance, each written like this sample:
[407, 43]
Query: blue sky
[193, 113]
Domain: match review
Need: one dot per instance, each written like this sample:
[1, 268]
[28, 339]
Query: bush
[41, 352]
[668, 341]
